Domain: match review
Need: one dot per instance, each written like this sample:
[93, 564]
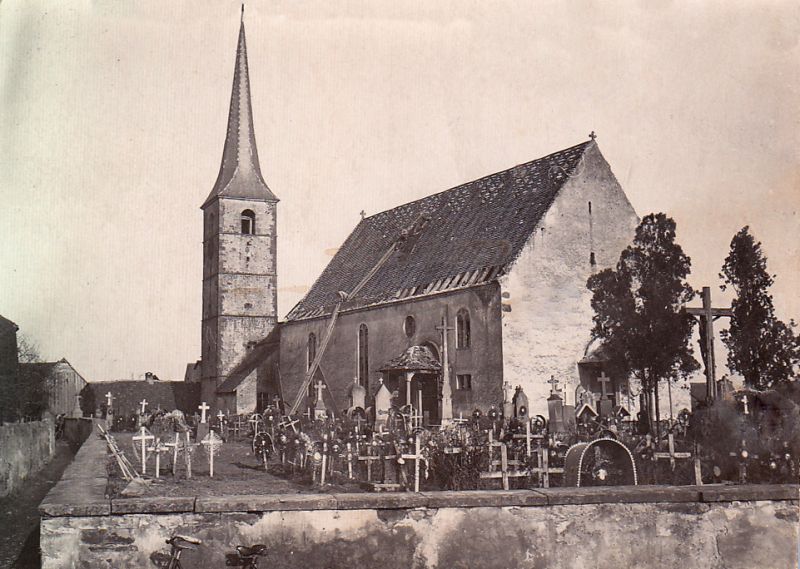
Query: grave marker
[212, 443]
[144, 436]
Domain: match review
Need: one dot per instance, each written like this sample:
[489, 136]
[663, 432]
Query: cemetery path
[19, 514]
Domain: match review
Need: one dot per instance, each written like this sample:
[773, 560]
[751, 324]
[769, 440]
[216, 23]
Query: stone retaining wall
[24, 449]
[644, 526]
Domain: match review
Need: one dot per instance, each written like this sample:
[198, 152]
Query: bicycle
[246, 557]
[179, 543]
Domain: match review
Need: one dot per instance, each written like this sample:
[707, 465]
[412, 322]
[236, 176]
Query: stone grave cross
[203, 408]
[109, 399]
[143, 403]
[447, 392]
[604, 379]
[553, 385]
[143, 436]
[319, 406]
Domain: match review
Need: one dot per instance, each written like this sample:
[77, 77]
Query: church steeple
[240, 281]
[240, 172]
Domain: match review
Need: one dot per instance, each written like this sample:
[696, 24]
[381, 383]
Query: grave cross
[603, 379]
[212, 442]
[416, 457]
[109, 399]
[320, 386]
[553, 385]
[143, 403]
[707, 315]
[220, 415]
[144, 436]
[203, 408]
[159, 448]
[447, 394]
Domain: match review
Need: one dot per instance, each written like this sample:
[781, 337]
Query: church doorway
[414, 377]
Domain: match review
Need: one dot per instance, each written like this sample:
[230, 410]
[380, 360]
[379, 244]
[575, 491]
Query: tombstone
[570, 422]
[555, 410]
[319, 407]
[606, 406]
[508, 406]
[358, 395]
[520, 401]
[725, 389]
[76, 412]
[383, 402]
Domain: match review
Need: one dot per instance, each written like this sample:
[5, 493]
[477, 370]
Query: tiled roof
[415, 358]
[240, 173]
[168, 395]
[461, 237]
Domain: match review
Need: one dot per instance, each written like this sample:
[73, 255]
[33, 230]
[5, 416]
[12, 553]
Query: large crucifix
[707, 315]
[447, 393]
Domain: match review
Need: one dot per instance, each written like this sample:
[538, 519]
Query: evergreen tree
[638, 310]
[760, 347]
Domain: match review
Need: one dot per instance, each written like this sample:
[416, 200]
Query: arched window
[363, 356]
[462, 329]
[312, 349]
[410, 326]
[248, 222]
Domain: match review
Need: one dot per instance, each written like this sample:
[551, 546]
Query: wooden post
[528, 436]
[324, 461]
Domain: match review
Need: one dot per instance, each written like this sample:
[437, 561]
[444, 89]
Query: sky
[113, 117]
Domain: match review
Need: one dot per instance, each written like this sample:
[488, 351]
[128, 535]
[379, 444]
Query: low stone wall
[642, 526]
[24, 449]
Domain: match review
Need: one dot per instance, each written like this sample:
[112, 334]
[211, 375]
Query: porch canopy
[415, 358]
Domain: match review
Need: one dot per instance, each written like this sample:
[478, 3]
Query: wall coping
[81, 492]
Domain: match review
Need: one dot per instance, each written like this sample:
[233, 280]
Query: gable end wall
[548, 326]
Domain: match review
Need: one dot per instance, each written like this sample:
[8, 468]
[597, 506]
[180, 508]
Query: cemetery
[310, 487]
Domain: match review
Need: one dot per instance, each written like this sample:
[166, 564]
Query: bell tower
[239, 245]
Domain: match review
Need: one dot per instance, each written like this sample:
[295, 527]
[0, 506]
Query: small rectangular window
[464, 382]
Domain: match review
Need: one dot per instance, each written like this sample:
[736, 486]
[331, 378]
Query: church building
[449, 301]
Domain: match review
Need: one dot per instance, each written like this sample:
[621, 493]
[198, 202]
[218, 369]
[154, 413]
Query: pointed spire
[240, 172]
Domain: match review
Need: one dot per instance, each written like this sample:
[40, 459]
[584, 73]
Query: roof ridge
[521, 164]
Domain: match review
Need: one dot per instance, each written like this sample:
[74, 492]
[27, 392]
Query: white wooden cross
[212, 442]
[203, 408]
[604, 379]
[416, 457]
[220, 415]
[143, 403]
[144, 436]
[746, 408]
[288, 422]
[159, 448]
[109, 399]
